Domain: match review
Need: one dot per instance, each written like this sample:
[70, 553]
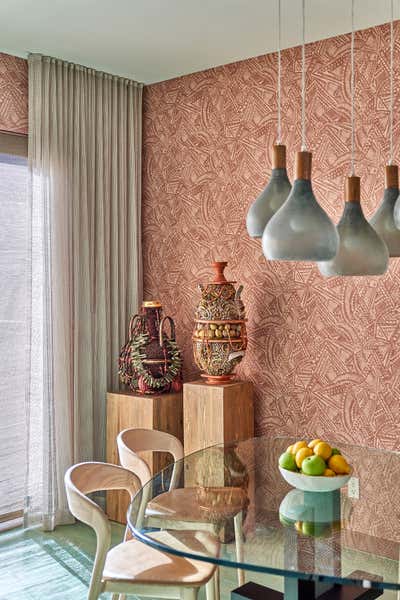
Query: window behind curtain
[13, 321]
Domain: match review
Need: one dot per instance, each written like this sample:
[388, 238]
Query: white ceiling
[154, 40]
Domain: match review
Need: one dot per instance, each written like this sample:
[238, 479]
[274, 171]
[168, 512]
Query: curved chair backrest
[131, 441]
[83, 479]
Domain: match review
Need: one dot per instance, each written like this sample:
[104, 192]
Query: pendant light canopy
[361, 250]
[301, 229]
[383, 220]
[277, 190]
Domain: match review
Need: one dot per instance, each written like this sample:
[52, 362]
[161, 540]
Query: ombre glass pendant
[383, 219]
[301, 229]
[396, 213]
[272, 197]
[361, 250]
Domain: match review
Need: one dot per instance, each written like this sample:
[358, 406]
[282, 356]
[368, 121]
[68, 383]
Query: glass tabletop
[237, 493]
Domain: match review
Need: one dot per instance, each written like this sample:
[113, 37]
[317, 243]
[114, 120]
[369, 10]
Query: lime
[335, 451]
[313, 529]
[287, 461]
[313, 465]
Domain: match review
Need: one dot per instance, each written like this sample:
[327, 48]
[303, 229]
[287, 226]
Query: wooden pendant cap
[352, 189]
[391, 176]
[279, 156]
[303, 165]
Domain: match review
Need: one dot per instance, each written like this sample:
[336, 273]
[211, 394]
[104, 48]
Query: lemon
[298, 445]
[302, 454]
[329, 473]
[314, 443]
[323, 450]
[290, 449]
[339, 464]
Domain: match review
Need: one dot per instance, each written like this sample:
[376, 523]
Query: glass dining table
[343, 544]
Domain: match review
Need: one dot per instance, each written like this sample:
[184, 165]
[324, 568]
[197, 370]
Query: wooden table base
[297, 589]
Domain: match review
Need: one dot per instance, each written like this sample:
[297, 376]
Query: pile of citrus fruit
[315, 458]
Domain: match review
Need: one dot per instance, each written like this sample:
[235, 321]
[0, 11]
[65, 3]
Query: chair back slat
[131, 441]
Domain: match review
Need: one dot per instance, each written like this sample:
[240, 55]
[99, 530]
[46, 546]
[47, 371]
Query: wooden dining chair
[133, 567]
[178, 507]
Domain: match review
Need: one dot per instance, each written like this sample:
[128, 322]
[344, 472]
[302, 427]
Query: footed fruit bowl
[314, 467]
[314, 483]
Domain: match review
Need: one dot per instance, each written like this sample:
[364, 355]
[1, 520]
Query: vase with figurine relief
[219, 336]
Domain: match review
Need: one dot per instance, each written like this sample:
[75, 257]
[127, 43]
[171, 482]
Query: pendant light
[361, 250]
[301, 229]
[383, 219]
[277, 190]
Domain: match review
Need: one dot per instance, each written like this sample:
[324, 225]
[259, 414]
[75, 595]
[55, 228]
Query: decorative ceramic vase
[219, 337]
[150, 362]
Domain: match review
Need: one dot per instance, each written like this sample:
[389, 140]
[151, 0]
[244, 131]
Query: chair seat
[198, 505]
[136, 562]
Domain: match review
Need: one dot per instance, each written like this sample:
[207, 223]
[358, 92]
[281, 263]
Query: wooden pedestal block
[127, 410]
[215, 414]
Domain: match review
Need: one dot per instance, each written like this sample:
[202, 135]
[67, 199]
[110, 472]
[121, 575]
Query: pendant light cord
[303, 80]
[279, 74]
[352, 88]
[391, 82]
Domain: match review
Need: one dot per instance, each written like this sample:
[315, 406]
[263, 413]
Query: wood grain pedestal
[217, 414]
[126, 410]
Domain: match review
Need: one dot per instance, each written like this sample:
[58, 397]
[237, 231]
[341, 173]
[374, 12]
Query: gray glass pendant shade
[383, 219]
[272, 197]
[301, 229]
[361, 250]
[396, 213]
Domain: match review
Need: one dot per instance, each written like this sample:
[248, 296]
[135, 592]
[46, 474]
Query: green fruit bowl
[314, 483]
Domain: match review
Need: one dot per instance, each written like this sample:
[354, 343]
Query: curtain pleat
[85, 164]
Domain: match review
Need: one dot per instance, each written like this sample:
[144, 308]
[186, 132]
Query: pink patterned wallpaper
[324, 355]
[13, 94]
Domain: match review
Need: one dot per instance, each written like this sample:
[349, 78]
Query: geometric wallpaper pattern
[13, 94]
[324, 354]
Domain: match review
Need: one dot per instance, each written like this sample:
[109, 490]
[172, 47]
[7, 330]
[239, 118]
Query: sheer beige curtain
[85, 165]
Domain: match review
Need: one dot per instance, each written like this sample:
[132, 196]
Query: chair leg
[216, 583]
[94, 592]
[189, 593]
[238, 522]
[210, 589]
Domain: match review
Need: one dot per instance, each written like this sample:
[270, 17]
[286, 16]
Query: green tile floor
[56, 566]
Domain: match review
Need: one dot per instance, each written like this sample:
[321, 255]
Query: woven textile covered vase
[151, 362]
[219, 336]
